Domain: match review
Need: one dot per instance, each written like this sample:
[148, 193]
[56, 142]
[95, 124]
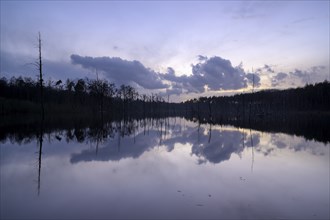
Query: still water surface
[168, 168]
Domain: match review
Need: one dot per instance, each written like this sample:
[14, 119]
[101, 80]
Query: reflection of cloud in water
[254, 141]
[213, 147]
[116, 151]
[133, 147]
[284, 141]
[280, 144]
[314, 148]
[220, 148]
[216, 148]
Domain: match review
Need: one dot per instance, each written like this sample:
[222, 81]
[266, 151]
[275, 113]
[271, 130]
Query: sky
[183, 49]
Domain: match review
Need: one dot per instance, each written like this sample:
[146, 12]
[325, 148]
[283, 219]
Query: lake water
[167, 168]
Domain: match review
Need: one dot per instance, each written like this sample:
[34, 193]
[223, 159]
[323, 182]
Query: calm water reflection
[167, 168]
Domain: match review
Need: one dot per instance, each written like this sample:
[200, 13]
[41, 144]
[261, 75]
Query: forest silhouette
[79, 103]
[22, 95]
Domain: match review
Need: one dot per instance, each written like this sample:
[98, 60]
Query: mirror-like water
[167, 168]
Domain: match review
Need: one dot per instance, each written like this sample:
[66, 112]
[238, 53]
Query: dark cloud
[201, 57]
[253, 79]
[209, 74]
[213, 73]
[121, 71]
[279, 77]
[300, 74]
[170, 71]
[266, 68]
[316, 69]
[299, 77]
[311, 75]
[217, 74]
[173, 90]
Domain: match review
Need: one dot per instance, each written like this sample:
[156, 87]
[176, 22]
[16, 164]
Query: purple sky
[181, 48]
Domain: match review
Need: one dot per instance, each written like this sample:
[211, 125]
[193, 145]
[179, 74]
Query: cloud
[201, 57]
[121, 71]
[173, 90]
[207, 75]
[316, 69]
[311, 75]
[253, 79]
[298, 77]
[217, 74]
[211, 74]
[279, 77]
[303, 75]
[266, 68]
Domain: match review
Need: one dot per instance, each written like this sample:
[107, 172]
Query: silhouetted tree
[39, 63]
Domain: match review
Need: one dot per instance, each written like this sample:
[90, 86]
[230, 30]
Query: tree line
[312, 98]
[97, 96]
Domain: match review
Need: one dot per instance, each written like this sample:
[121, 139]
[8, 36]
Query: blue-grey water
[169, 168]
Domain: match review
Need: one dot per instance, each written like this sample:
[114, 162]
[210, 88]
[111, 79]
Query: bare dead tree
[39, 65]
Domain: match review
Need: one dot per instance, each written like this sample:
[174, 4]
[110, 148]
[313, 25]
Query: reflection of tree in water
[114, 140]
[39, 160]
[124, 128]
[131, 139]
[40, 136]
[80, 134]
[162, 126]
[207, 144]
